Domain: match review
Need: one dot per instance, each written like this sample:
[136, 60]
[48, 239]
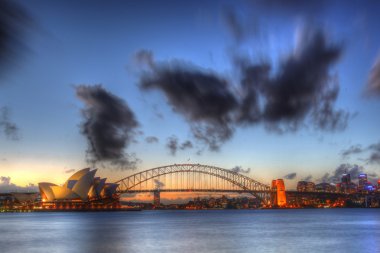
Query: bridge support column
[278, 196]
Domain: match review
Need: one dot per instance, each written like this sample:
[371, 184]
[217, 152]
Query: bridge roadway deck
[290, 192]
[192, 190]
[228, 190]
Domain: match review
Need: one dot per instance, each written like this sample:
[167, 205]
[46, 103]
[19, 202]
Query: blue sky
[81, 42]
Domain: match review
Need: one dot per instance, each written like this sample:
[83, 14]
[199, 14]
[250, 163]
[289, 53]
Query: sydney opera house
[81, 187]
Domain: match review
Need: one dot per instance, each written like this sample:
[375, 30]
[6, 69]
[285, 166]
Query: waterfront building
[82, 186]
[304, 186]
[310, 187]
[301, 186]
[348, 188]
[325, 187]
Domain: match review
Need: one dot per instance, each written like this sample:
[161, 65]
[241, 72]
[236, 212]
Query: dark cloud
[253, 77]
[172, 145]
[239, 169]
[7, 186]
[158, 184]
[353, 170]
[302, 87]
[375, 153]
[9, 128]
[307, 178]
[13, 23]
[151, 139]
[290, 176]
[301, 92]
[109, 126]
[373, 86]
[202, 97]
[186, 145]
[70, 171]
[355, 149]
[374, 157]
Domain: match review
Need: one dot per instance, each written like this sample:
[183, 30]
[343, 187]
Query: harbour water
[311, 230]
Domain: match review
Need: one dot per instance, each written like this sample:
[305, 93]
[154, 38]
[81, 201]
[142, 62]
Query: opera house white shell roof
[82, 185]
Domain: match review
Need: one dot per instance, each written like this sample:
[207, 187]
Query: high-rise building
[346, 178]
[362, 181]
[346, 185]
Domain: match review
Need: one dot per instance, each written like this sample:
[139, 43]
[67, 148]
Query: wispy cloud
[307, 178]
[372, 152]
[186, 145]
[151, 139]
[69, 171]
[7, 186]
[373, 84]
[239, 169]
[9, 128]
[291, 176]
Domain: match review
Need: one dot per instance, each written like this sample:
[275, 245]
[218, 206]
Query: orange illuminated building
[279, 196]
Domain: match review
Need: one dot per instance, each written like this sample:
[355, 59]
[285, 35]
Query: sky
[281, 90]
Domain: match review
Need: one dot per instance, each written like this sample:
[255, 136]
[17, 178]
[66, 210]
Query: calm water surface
[316, 230]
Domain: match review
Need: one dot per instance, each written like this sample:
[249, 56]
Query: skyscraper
[362, 181]
[346, 186]
[346, 178]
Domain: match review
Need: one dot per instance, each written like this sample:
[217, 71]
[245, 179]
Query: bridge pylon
[278, 194]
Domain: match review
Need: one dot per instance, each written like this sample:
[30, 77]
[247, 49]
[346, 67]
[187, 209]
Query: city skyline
[271, 90]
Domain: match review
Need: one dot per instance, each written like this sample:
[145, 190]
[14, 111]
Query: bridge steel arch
[246, 184]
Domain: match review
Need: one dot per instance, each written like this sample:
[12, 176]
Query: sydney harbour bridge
[195, 178]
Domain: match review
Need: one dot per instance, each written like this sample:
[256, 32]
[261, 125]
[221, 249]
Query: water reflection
[193, 231]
